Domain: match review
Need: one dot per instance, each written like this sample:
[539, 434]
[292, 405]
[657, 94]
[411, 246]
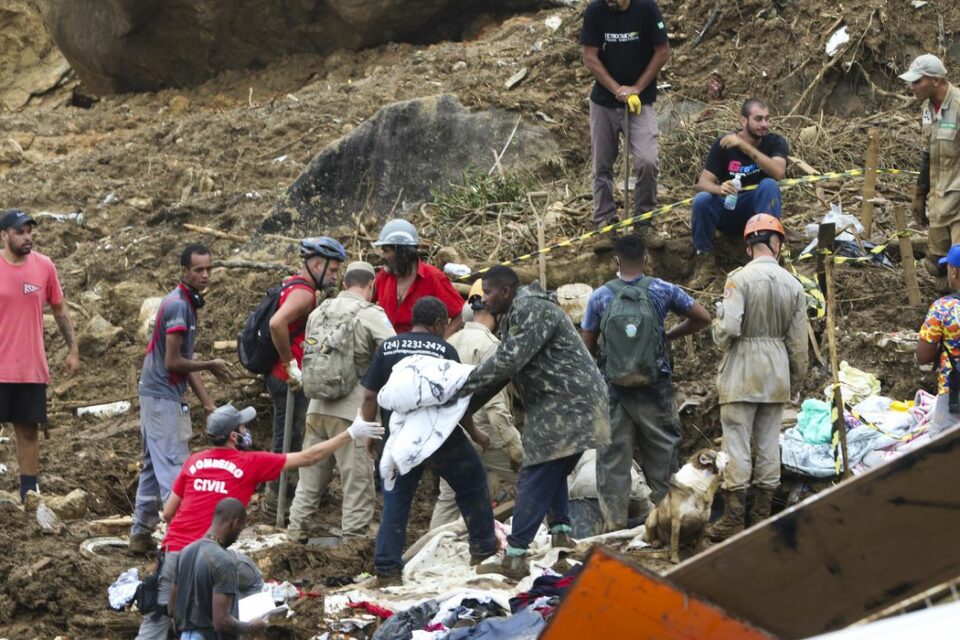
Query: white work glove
[363, 429]
[294, 375]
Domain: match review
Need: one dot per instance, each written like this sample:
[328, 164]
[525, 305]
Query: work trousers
[155, 626]
[457, 462]
[645, 419]
[356, 479]
[497, 464]
[541, 493]
[165, 431]
[278, 393]
[709, 214]
[751, 427]
[606, 124]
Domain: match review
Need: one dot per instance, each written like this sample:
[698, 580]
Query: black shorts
[23, 403]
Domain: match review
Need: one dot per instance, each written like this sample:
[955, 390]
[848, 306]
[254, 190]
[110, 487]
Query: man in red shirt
[28, 281]
[321, 266]
[405, 279]
[226, 470]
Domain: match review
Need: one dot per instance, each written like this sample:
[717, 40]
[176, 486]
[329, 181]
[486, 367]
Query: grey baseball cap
[925, 65]
[359, 265]
[225, 420]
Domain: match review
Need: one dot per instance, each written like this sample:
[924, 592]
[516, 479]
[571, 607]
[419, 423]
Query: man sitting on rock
[759, 158]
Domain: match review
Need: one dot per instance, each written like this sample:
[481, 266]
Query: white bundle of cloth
[421, 393]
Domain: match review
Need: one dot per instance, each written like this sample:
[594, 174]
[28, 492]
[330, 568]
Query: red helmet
[763, 223]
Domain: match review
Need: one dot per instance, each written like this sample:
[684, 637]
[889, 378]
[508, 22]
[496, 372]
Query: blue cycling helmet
[324, 246]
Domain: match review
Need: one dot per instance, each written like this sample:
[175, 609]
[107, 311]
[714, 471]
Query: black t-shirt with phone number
[393, 350]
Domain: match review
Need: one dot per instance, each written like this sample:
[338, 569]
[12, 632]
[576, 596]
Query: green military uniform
[564, 397]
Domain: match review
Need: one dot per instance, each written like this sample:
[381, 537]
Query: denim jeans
[541, 493]
[709, 213]
[457, 462]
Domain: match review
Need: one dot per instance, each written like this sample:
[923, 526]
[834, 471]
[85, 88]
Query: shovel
[287, 436]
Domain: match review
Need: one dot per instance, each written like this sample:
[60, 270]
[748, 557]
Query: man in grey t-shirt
[167, 370]
[204, 599]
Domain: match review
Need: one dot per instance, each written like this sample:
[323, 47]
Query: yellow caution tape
[643, 217]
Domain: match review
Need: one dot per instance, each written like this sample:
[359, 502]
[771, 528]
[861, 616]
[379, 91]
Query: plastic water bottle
[730, 202]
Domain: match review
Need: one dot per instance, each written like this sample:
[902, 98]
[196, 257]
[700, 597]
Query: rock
[11, 152]
[144, 45]
[48, 520]
[148, 317]
[179, 105]
[9, 498]
[403, 150]
[809, 135]
[30, 63]
[98, 336]
[459, 65]
[72, 506]
[141, 204]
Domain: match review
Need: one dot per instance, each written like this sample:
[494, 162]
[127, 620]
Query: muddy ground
[140, 166]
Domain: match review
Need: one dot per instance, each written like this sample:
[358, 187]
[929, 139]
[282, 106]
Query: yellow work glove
[633, 103]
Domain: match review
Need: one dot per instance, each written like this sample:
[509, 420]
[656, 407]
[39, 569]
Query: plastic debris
[839, 38]
[105, 410]
[121, 592]
[456, 270]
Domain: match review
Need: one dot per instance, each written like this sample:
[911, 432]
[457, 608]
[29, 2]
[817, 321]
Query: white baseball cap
[925, 65]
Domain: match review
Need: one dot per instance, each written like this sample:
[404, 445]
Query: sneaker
[560, 537]
[141, 543]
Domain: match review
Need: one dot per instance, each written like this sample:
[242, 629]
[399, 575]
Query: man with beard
[227, 469]
[168, 368]
[28, 282]
[322, 258]
[405, 279]
[936, 200]
[759, 158]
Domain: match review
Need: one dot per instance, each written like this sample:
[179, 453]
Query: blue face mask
[245, 441]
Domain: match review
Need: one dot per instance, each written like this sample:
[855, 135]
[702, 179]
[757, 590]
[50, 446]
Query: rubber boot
[731, 522]
[560, 536]
[760, 510]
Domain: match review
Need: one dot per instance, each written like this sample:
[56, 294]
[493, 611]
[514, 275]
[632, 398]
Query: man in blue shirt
[644, 416]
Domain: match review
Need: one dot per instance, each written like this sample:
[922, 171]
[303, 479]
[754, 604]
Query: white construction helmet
[398, 232]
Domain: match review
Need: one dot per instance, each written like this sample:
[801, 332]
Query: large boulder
[30, 63]
[141, 45]
[397, 155]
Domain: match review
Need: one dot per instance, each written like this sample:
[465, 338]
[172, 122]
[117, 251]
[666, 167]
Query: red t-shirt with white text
[209, 476]
[24, 290]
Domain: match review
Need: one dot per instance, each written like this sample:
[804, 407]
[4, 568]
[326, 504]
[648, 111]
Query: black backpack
[254, 343]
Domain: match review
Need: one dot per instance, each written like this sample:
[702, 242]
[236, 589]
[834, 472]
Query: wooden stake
[541, 258]
[825, 239]
[870, 181]
[838, 423]
[906, 257]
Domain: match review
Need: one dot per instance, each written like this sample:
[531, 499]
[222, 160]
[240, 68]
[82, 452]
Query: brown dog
[682, 514]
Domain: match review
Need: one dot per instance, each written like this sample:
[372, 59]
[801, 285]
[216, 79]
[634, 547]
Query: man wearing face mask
[643, 413]
[406, 279]
[168, 368]
[227, 470]
[322, 258]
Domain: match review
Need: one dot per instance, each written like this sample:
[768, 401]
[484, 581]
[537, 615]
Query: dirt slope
[220, 155]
